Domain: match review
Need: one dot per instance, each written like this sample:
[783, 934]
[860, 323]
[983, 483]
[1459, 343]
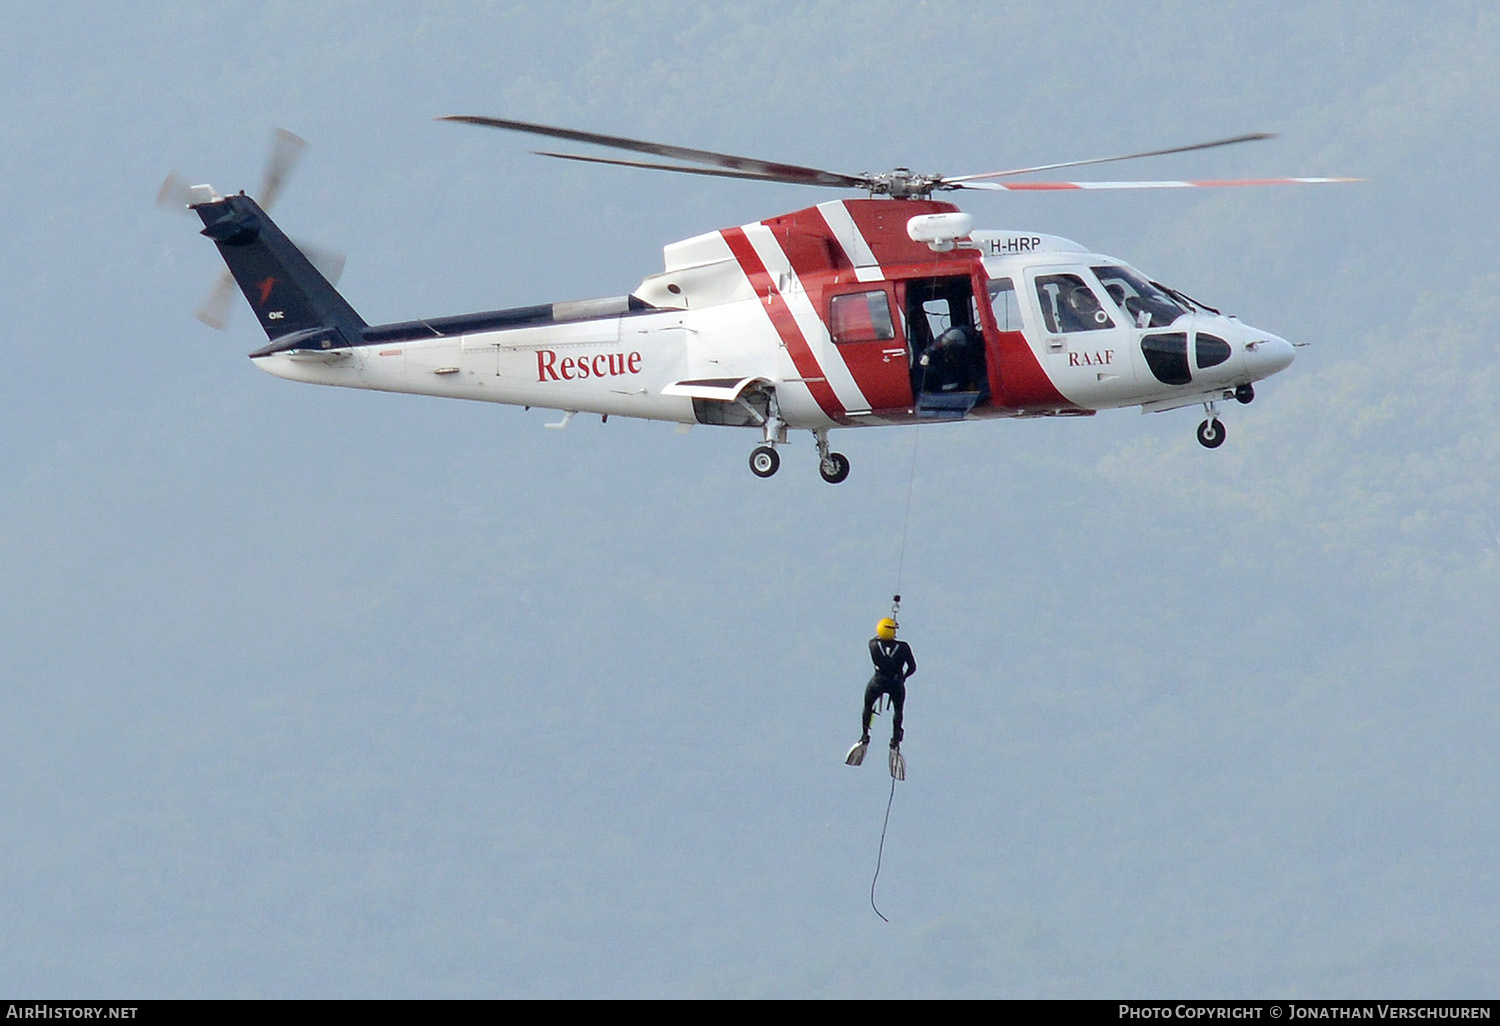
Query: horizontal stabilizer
[724, 390]
[316, 355]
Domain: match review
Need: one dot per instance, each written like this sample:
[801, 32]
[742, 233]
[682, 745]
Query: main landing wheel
[1211, 433]
[835, 468]
[764, 462]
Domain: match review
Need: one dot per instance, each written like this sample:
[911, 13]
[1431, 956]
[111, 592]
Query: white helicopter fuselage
[850, 313]
[731, 313]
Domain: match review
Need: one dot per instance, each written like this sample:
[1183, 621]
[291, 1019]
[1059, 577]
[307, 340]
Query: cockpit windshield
[1147, 305]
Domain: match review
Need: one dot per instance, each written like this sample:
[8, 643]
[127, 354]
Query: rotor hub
[903, 183]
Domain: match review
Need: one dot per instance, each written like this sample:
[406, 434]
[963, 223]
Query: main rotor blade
[1205, 184]
[1105, 160]
[749, 166]
[285, 149]
[715, 172]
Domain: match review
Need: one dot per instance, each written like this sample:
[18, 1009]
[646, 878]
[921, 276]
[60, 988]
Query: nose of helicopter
[1268, 354]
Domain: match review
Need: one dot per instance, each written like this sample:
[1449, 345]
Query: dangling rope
[880, 855]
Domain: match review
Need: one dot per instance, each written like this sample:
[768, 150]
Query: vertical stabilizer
[288, 294]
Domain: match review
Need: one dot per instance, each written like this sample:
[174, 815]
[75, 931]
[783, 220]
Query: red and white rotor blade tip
[1201, 184]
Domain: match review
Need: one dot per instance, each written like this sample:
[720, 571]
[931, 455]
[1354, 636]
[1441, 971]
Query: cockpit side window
[1068, 305]
[1211, 350]
[1166, 355]
[1146, 305]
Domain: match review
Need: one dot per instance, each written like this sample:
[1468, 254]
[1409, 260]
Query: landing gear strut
[764, 460]
[1211, 433]
[834, 466]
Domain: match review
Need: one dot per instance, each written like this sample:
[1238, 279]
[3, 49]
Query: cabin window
[1166, 355]
[1143, 303]
[1068, 305]
[1211, 350]
[1003, 302]
[861, 317]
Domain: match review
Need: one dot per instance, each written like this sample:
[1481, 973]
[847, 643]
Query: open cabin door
[949, 376]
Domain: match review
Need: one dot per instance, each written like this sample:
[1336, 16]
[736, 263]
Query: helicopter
[888, 309]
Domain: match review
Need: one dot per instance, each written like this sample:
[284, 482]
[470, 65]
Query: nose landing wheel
[1211, 433]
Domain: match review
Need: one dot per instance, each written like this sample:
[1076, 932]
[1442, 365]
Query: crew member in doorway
[947, 364]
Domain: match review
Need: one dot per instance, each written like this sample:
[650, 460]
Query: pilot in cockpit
[1081, 311]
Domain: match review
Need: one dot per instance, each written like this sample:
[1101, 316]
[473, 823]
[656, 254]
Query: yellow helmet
[885, 630]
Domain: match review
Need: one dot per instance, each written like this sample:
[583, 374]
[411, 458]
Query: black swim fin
[856, 754]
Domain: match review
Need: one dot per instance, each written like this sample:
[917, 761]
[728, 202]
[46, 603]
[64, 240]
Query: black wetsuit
[893, 664]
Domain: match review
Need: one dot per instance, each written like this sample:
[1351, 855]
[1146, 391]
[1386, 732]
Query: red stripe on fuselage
[881, 388]
[785, 324]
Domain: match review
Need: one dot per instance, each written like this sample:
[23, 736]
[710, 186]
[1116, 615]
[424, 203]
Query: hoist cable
[911, 481]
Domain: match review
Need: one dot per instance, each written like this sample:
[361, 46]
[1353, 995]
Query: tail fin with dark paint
[288, 294]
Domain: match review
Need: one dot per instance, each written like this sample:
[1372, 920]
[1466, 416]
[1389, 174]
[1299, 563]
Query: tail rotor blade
[216, 306]
[214, 310]
[175, 194]
[329, 262]
[286, 149]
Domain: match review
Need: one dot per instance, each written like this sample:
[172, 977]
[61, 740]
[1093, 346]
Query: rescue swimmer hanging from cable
[894, 663]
